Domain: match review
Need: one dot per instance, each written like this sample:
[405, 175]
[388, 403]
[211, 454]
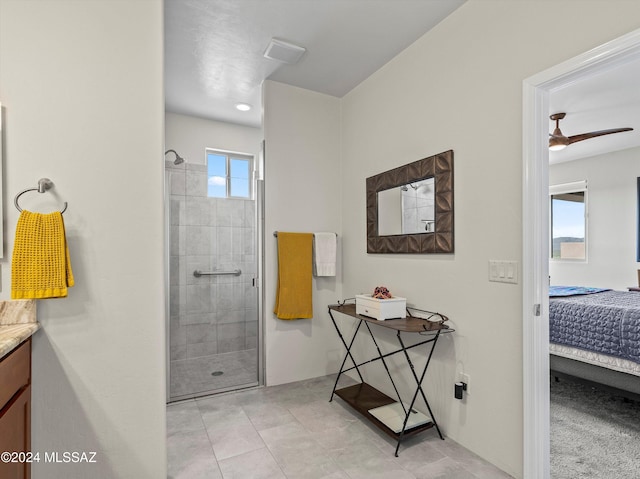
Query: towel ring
[44, 184]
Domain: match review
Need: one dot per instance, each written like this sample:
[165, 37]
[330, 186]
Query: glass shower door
[213, 301]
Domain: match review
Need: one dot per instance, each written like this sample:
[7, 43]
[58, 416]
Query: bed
[594, 336]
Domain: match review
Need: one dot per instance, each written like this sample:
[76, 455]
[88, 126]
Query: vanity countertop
[12, 335]
[17, 324]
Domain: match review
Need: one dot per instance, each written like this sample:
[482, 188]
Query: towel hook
[44, 184]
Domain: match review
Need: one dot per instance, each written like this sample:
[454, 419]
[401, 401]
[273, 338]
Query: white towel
[324, 254]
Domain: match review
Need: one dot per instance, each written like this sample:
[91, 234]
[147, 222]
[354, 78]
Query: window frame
[566, 188]
[231, 155]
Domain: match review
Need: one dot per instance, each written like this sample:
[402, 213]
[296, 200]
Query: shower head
[178, 159]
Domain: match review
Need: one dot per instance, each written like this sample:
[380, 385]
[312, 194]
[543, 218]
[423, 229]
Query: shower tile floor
[293, 431]
[194, 375]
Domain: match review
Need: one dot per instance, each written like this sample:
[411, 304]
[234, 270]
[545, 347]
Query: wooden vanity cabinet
[15, 410]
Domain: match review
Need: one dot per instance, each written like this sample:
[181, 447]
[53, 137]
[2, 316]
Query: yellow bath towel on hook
[295, 263]
[40, 267]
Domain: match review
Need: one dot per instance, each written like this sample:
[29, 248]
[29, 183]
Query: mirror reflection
[407, 209]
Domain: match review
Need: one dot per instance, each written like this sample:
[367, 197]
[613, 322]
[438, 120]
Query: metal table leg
[419, 387]
[347, 355]
[381, 356]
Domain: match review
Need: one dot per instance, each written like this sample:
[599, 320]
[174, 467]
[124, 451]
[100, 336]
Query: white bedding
[609, 362]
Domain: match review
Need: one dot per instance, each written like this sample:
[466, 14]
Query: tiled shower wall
[418, 204]
[211, 314]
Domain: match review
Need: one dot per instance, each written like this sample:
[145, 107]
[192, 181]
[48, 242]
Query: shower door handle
[197, 273]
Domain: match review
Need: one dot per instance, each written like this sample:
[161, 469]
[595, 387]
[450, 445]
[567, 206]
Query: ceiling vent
[284, 51]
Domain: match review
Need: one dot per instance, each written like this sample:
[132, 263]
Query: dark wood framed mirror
[401, 198]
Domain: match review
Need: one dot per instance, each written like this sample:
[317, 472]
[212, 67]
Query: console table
[367, 400]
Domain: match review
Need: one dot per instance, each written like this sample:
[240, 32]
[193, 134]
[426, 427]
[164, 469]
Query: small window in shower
[228, 174]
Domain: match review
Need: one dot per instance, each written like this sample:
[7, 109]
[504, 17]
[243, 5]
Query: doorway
[536, 91]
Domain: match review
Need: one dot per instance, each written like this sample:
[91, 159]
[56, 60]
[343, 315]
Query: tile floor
[293, 431]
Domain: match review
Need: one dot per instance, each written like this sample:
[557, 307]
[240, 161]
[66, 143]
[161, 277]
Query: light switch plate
[503, 271]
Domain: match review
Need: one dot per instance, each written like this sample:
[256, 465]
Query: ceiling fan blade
[593, 134]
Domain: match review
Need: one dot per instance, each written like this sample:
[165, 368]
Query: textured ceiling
[214, 48]
[214, 59]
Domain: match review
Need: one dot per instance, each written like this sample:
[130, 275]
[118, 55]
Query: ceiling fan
[557, 141]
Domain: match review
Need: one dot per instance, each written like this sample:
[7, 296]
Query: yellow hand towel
[40, 267]
[293, 293]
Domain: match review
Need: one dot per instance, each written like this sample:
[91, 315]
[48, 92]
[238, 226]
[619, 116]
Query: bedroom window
[228, 174]
[568, 221]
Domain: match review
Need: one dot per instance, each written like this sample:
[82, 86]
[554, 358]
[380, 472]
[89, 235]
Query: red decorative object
[381, 292]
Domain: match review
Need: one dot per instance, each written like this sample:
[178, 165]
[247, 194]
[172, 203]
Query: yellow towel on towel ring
[40, 267]
[295, 265]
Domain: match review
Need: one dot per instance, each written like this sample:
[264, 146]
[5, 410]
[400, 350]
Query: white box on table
[381, 309]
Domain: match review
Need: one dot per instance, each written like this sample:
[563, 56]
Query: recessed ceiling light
[243, 106]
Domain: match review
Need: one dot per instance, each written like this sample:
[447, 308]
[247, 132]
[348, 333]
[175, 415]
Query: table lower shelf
[362, 397]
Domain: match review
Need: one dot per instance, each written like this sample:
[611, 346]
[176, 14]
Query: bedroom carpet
[593, 433]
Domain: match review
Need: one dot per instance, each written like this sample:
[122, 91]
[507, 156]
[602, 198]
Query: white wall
[612, 223]
[302, 193]
[81, 85]
[190, 136]
[460, 87]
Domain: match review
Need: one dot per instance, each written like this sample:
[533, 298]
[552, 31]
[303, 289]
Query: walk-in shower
[213, 309]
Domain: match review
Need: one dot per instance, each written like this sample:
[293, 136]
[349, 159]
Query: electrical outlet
[465, 379]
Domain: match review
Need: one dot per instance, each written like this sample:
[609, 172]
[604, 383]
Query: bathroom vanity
[17, 325]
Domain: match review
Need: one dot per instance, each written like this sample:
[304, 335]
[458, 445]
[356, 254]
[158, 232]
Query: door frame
[535, 247]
